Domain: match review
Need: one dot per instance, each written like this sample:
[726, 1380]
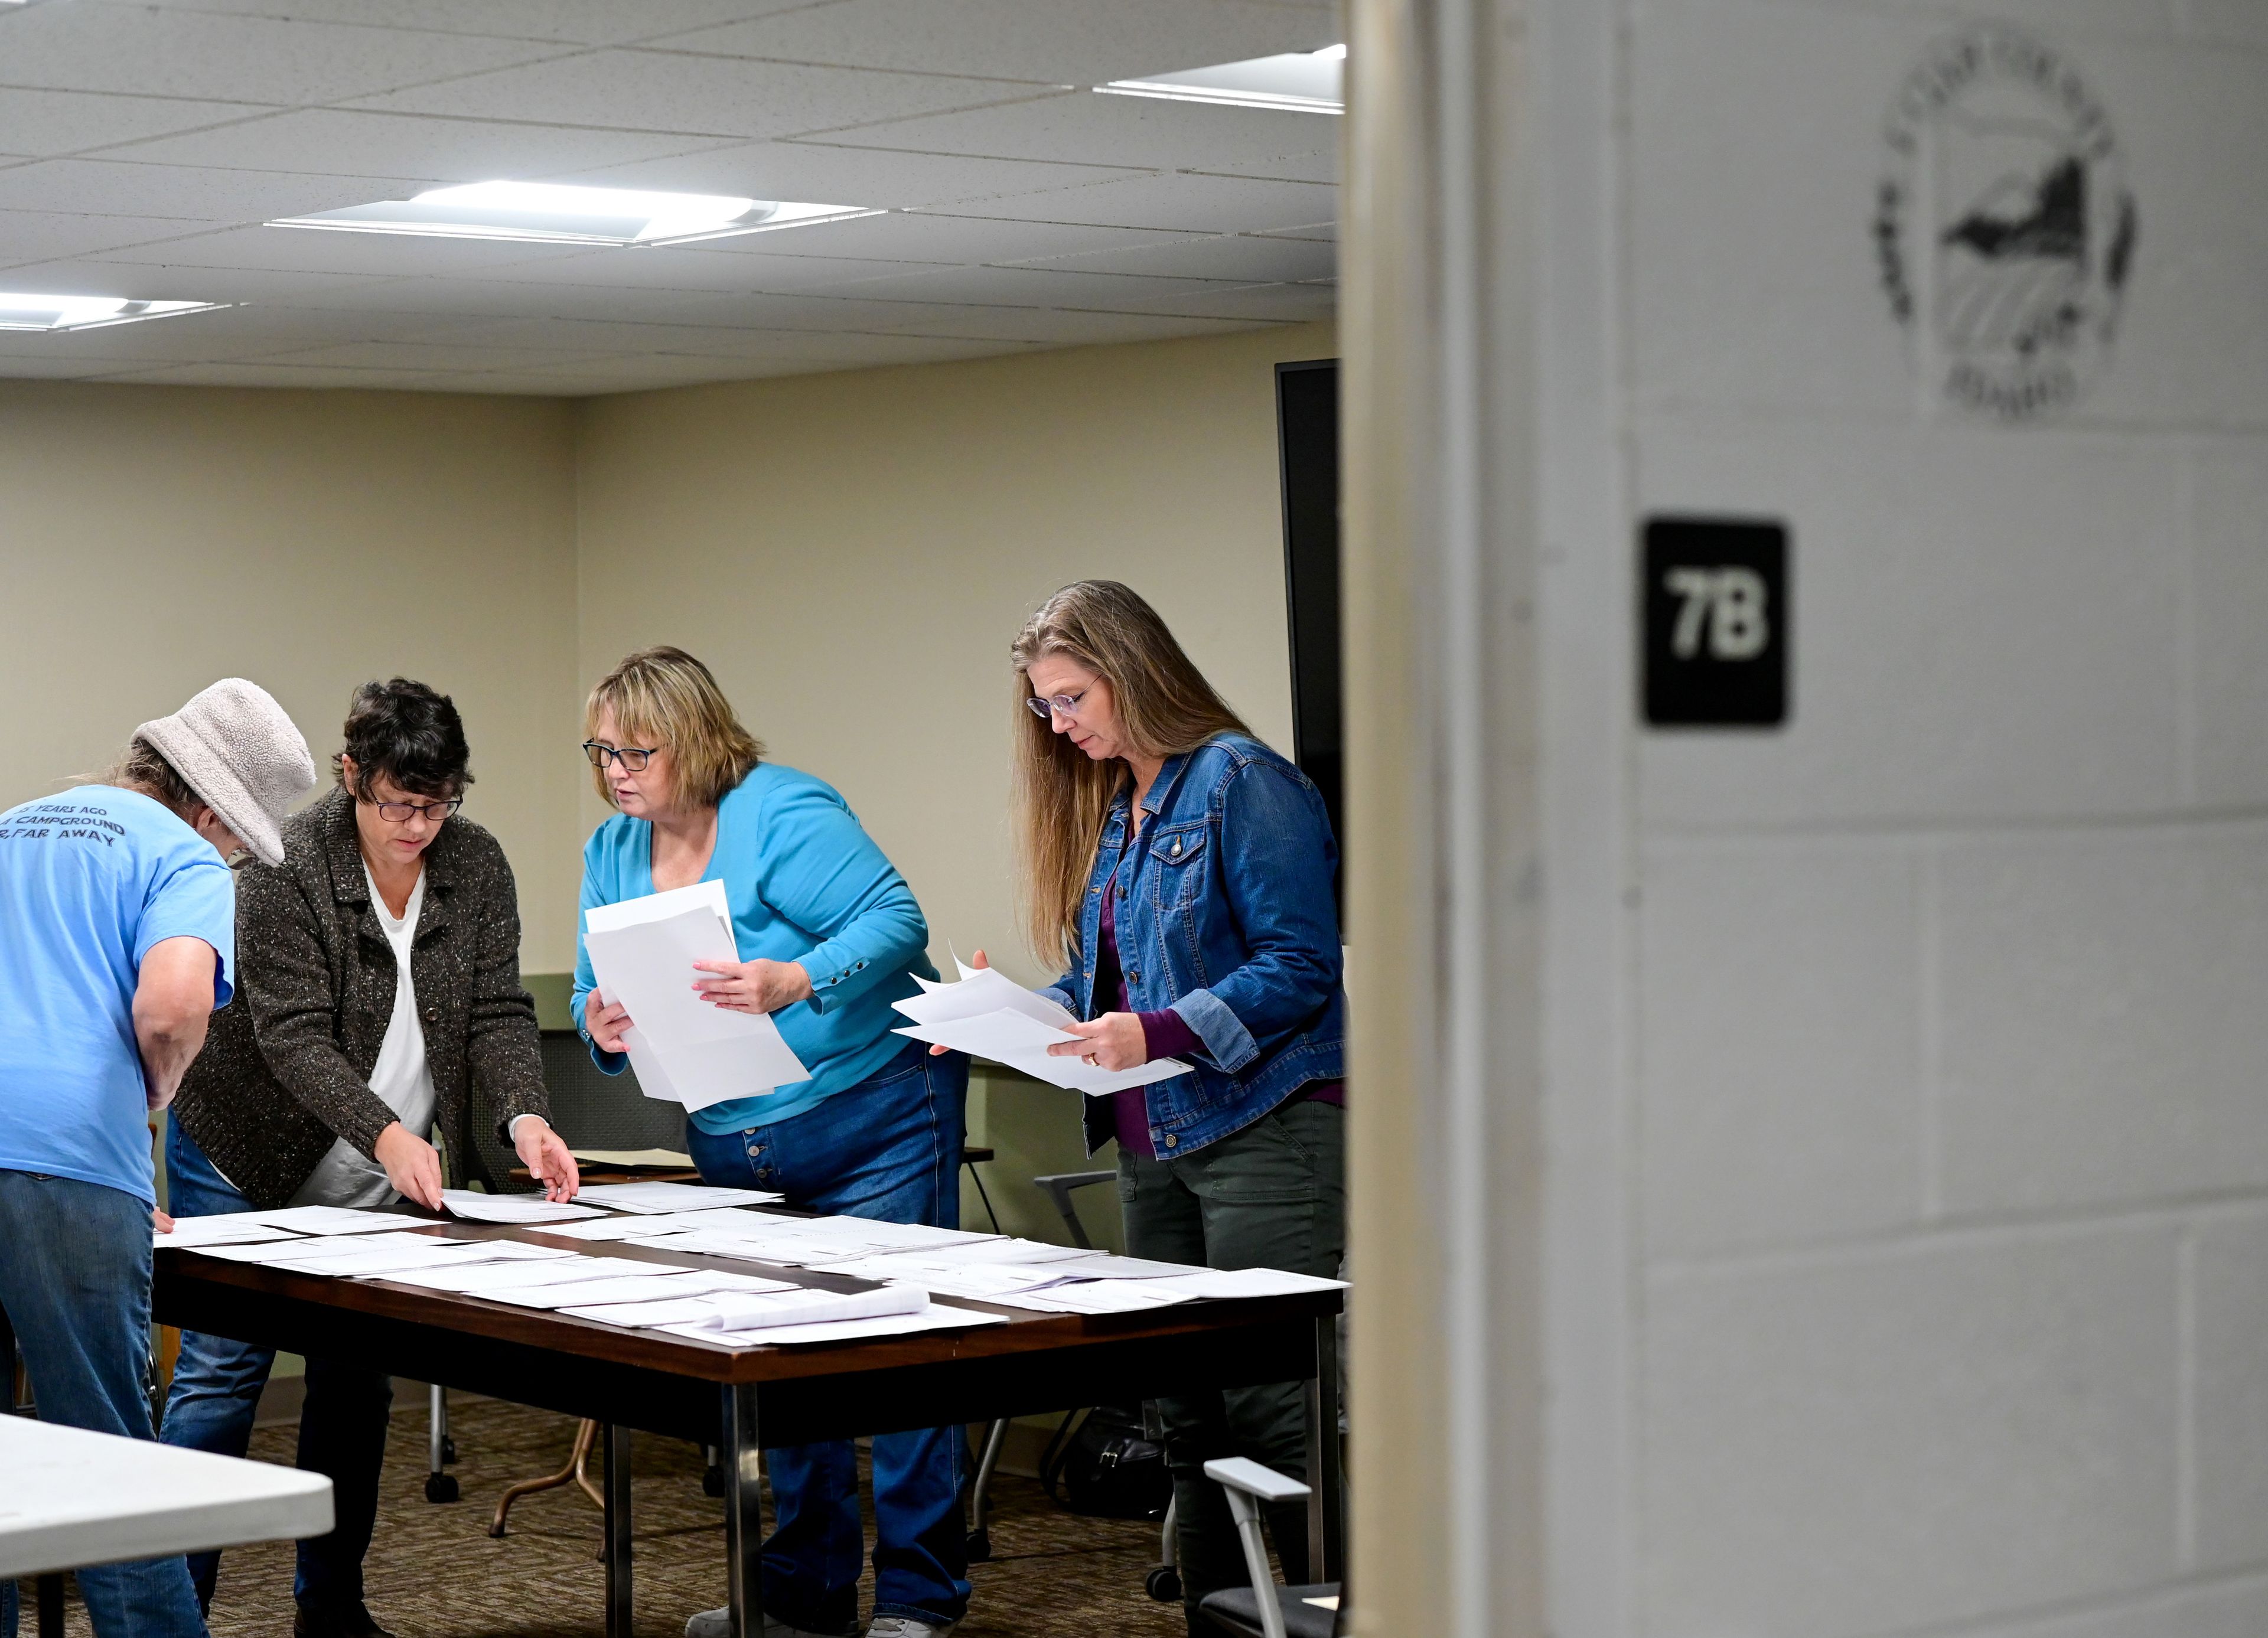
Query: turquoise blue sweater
[806, 883]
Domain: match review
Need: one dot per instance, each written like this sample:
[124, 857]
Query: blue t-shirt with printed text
[90, 881]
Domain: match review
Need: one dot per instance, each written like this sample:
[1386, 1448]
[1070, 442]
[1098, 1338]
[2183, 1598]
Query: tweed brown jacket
[286, 1065]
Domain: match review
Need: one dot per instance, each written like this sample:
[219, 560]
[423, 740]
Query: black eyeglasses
[1063, 705]
[630, 757]
[402, 813]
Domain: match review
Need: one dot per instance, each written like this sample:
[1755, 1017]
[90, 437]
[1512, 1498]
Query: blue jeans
[74, 1281]
[887, 1148]
[216, 1390]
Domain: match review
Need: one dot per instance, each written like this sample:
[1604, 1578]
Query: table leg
[618, 1531]
[744, 1520]
[1326, 1498]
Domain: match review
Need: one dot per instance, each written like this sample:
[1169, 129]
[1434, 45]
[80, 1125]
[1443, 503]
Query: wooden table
[75, 1498]
[712, 1395]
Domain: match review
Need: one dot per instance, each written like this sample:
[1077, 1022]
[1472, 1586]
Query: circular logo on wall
[2003, 224]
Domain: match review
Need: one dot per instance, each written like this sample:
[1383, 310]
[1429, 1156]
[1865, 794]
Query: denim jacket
[1224, 914]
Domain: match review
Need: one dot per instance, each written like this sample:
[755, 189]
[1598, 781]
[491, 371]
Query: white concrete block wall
[1943, 1010]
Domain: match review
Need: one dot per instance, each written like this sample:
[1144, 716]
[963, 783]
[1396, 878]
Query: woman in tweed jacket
[379, 979]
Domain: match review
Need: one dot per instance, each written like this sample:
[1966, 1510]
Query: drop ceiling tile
[1299, 304]
[1321, 165]
[655, 90]
[212, 197]
[1197, 204]
[150, 51]
[15, 368]
[1060, 327]
[229, 333]
[856, 176]
[284, 249]
[1097, 129]
[640, 375]
[1081, 43]
[301, 376]
[670, 268]
[940, 238]
[431, 356]
[342, 142]
[1243, 259]
[160, 281]
[1019, 287]
[1326, 230]
[575, 22]
[37, 235]
[51, 122]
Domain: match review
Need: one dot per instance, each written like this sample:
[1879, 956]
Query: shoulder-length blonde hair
[664, 698]
[1165, 707]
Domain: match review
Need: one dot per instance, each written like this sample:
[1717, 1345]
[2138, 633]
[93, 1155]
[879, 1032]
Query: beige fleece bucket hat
[237, 749]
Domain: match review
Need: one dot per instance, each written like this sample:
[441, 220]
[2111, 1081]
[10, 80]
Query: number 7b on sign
[1718, 623]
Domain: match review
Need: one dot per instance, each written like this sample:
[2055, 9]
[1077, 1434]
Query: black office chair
[1264, 1610]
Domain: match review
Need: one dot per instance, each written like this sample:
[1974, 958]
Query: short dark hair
[410, 734]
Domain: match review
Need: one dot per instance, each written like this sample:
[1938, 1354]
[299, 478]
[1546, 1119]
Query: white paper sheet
[989, 1015]
[1103, 1265]
[1224, 1283]
[941, 1276]
[685, 1049]
[636, 1227]
[524, 1209]
[932, 1318]
[190, 1233]
[655, 1199]
[369, 1257]
[567, 1269]
[803, 1306]
[329, 1220]
[1095, 1296]
[658, 1282]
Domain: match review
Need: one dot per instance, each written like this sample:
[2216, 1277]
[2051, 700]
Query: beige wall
[851, 554]
[153, 539]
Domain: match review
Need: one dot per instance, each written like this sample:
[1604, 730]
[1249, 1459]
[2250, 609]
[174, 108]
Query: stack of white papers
[642, 1228]
[479, 1279]
[373, 1254]
[685, 1050]
[525, 1209]
[192, 1233]
[936, 1318]
[654, 1198]
[649, 1281]
[990, 1015]
[810, 1242]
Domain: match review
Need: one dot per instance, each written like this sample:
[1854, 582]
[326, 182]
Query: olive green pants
[1271, 1196]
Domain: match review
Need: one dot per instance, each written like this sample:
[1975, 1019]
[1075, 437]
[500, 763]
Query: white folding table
[69, 1499]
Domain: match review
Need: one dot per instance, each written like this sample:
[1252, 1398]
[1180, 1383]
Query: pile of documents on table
[907, 1265]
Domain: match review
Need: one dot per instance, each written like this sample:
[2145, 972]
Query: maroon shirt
[1165, 1034]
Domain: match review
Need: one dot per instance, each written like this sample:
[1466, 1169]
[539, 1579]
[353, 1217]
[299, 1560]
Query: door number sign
[1717, 622]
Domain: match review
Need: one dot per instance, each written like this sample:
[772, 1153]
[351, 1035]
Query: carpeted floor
[434, 1572]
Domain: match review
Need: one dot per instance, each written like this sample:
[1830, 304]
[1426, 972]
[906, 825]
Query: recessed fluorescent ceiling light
[553, 215]
[1305, 81]
[22, 311]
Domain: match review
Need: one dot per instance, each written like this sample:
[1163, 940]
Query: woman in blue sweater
[830, 935]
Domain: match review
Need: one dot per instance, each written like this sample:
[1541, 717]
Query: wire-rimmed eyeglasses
[632, 758]
[1048, 706]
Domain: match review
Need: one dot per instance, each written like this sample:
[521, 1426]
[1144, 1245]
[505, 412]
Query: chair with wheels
[1264, 1610]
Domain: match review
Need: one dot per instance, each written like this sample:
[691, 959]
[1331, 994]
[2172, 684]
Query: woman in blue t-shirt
[829, 936]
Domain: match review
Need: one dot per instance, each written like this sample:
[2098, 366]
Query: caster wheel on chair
[1164, 1583]
[712, 1481]
[979, 1546]
[441, 1487]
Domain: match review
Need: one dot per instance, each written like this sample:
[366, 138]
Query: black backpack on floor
[1104, 1465]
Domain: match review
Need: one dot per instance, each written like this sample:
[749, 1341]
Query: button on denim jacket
[1224, 914]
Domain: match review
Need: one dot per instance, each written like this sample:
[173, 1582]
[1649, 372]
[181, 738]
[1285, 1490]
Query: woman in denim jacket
[1185, 870]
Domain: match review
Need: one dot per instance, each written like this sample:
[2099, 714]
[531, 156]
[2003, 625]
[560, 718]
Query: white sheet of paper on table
[658, 1280]
[566, 1268]
[1103, 1265]
[989, 1015]
[685, 1050]
[636, 1228]
[805, 1305]
[934, 1318]
[658, 1199]
[190, 1233]
[1219, 1283]
[329, 1220]
[476, 1206]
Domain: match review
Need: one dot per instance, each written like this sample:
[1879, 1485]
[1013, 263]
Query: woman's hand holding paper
[757, 987]
[605, 1021]
[1113, 1041]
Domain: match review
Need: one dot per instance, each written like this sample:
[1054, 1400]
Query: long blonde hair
[1165, 708]
[668, 699]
